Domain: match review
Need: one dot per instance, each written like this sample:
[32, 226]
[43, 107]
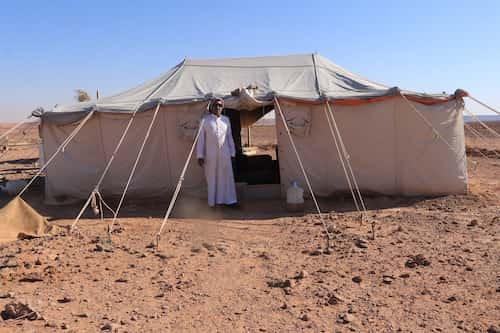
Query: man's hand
[201, 161]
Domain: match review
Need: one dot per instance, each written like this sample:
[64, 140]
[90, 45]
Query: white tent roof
[306, 77]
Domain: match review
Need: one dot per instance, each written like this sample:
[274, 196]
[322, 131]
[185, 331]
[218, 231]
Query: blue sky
[49, 49]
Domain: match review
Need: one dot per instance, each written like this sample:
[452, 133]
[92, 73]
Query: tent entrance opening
[254, 134]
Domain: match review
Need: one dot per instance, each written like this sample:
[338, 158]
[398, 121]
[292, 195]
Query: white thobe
[216, 146]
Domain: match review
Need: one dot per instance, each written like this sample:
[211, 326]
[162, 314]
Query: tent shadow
[194, 208]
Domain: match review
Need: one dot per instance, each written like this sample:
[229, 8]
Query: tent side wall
[392, 150]
[74, 173]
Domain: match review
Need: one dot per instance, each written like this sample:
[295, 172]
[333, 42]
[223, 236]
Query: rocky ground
[434, 266]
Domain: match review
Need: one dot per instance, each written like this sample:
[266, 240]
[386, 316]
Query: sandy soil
[432, 267]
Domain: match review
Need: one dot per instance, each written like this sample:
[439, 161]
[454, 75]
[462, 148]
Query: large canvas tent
[399, 142]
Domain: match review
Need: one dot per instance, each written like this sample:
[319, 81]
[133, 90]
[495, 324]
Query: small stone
[32, 277]
[64, 326]
[357, 279]
[38, 262]
[305, 317]
[328, 250]
[472, 223]
[404, 275]
[121, 280]
[109, 327]
[284, 306]
[334, 299]
[208, 246]
[162, 256]
[387, 279]
[450, 299]
[493, 329]
[302, 274]
[418, 260]
[361, 243]
[5, 295]
[316, 252]
[64, 300]
[133, 318]
[196, 249]
[345, 318]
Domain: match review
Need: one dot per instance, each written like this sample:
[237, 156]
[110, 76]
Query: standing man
[214, 151]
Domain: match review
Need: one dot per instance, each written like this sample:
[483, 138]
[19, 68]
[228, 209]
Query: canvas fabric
[392, 150]
[306, 77]
[75, 172]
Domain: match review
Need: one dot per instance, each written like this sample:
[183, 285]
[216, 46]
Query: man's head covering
[214, 102]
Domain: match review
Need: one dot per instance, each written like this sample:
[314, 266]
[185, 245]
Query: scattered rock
[161, 255]
[9, 263]
[18, 311]
[357, 279]
[208, 246]
[280, 283]
[109, 327]
[334, 299]
[64, 300]
[345, 318]
[265, 255]
[305, 317]
[472, 223]
[328, 250]
[361, 243]
[387, 279]
[418, 260]
[302, 275]
[196, 249]
[6, 295]
[316, 252]
[493, 329]
[31, 277]
[450, 299]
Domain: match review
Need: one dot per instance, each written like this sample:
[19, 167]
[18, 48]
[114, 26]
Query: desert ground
[434, 265]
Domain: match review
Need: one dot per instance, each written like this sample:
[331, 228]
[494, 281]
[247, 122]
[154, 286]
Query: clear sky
[50, 48]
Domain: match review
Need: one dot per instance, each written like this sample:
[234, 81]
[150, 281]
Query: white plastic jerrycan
[295, 197]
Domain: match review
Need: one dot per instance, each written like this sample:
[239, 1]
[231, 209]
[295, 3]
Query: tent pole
[178, 187]
[341, 159]
[132, 172]
[59, 149]
[348, 162]
[136, 109]
[328, 234]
